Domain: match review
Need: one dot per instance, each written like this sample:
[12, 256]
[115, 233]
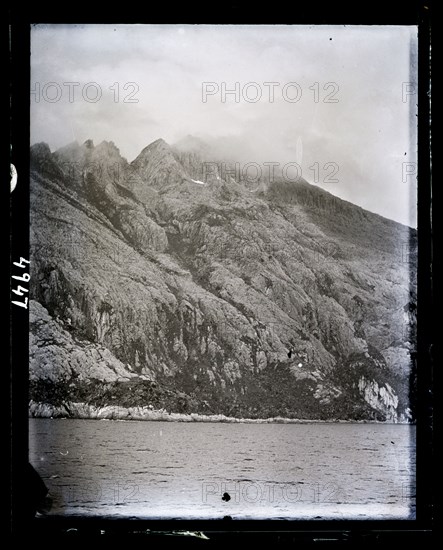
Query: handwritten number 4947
[20, 290]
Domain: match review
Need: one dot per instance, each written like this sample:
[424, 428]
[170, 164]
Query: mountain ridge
[285, 302]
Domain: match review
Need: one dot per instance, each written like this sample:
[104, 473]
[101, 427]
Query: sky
[337, 101]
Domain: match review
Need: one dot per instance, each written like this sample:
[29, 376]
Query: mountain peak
[157, 165]
[41, 149]
[88, 144]
[159, 141]
[159, 147]
[108, 149]
[158, 144]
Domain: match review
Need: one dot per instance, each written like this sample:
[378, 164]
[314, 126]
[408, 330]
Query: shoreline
[128, 414]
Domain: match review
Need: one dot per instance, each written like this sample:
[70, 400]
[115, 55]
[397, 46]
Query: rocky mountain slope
[161, 284]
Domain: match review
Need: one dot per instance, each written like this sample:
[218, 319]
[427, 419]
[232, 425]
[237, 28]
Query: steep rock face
[380, 398]
[276, 303]
[56, 354]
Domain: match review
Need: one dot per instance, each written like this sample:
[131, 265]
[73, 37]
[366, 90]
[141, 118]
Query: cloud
[150, 79]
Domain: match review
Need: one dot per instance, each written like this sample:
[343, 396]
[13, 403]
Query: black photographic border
[351, 532]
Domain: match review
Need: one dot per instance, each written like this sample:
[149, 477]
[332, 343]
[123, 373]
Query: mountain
[162, 284]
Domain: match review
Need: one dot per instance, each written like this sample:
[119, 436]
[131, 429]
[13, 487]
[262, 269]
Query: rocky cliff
[158, 284]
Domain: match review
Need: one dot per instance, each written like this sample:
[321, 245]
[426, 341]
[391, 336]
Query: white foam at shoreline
[112, 412]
